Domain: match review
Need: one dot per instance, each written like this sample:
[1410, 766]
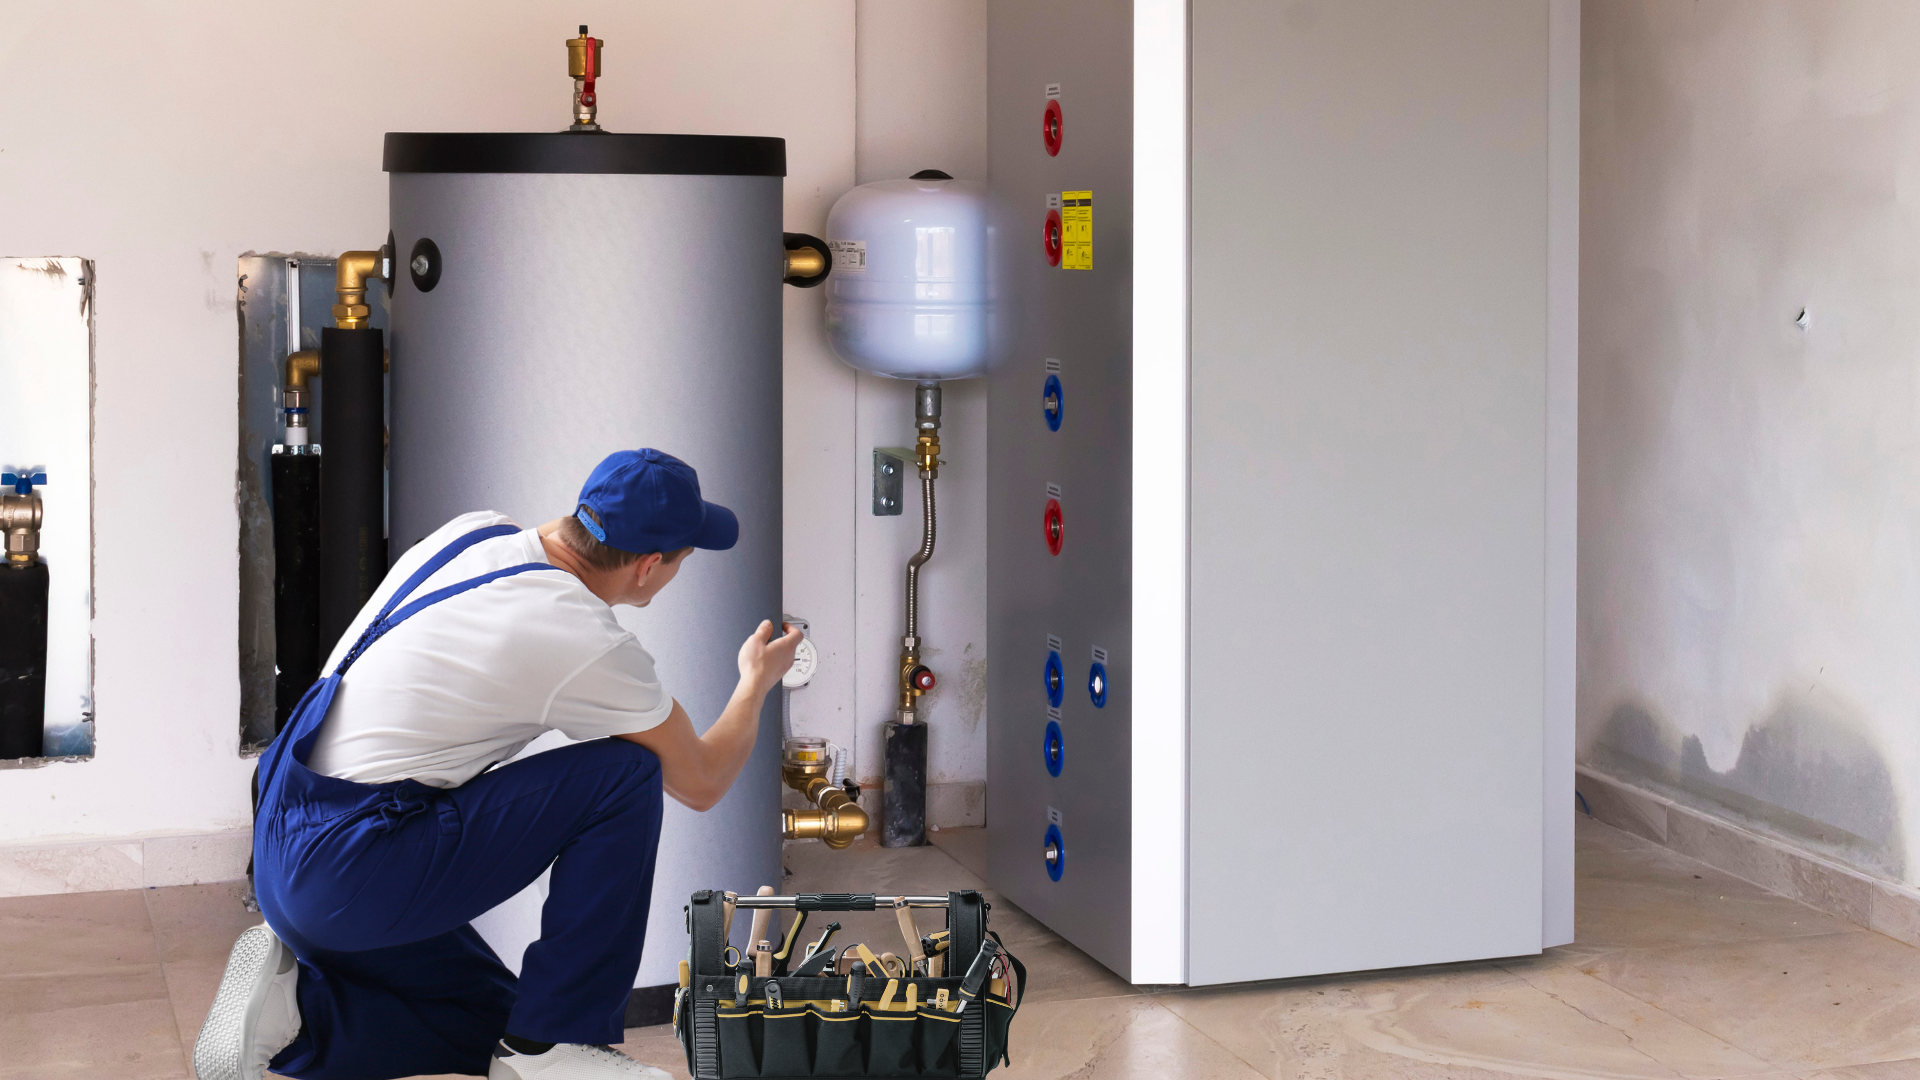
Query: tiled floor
[1679, 971]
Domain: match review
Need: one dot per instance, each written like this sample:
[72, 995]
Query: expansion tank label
[849, 256]
[1076, 230]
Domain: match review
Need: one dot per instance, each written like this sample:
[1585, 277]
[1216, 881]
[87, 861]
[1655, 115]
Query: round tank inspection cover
[424, 264]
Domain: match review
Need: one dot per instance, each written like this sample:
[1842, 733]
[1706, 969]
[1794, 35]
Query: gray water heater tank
[558, 297]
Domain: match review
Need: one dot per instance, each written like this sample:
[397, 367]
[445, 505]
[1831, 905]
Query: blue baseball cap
[646, 501]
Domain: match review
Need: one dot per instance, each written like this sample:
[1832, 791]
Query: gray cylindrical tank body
[594, 293]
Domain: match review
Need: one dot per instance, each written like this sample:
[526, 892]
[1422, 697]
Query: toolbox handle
[838, 901]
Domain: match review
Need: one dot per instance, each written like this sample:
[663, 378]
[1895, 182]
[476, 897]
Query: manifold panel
[1060, 118]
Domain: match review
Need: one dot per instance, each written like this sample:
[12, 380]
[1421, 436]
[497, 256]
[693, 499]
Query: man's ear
[644, 566]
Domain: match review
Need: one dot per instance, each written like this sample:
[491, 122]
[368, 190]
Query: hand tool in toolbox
[848, 1011]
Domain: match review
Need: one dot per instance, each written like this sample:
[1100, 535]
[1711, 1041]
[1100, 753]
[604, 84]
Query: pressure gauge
[805, 659]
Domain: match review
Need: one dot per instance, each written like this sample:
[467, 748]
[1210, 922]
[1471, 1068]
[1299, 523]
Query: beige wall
[164, 139]
[1749, 487]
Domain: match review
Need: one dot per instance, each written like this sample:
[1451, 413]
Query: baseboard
[1889, 907]
[133, 863]
[650, 1006]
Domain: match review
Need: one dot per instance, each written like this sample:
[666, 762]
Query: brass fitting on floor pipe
[350, 273]
[804, 765]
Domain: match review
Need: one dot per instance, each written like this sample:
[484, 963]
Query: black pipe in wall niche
[23, 658]
[353, 543]
[296, 579]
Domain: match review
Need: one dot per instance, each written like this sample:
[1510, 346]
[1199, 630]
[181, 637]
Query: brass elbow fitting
[20, 520]
[350, 273]
[301, 366]
[838, 822]
[839, 819]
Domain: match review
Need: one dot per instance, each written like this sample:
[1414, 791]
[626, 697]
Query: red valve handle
[593, 68]
[922, 679]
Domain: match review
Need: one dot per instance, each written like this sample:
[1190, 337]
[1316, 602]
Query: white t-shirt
[470, 680]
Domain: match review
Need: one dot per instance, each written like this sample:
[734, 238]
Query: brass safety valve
[583, 63]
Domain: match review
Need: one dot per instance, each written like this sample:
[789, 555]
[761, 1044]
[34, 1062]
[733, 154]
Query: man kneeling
[384, 828]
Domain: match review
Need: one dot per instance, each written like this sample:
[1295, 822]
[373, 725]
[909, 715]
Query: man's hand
[765, 658]
[698, 769]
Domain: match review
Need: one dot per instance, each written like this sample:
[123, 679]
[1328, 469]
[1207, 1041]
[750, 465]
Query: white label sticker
[849, 256]
[1053, 491]
[1054, 715]
[1053, 365]
[1053, 643]
[1053, 200]
[1099, 655]
[1053, 817]
[1053, 90]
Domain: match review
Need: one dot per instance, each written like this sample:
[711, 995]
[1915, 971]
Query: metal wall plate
[890, 465]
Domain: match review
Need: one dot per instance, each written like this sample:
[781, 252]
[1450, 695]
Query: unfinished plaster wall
[1749, 634]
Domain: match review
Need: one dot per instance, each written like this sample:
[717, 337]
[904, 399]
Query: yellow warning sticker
[1076, 230]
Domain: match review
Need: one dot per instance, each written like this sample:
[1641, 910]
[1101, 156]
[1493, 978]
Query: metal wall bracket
[890, 464]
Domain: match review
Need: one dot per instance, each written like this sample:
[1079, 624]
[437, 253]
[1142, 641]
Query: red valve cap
[922, 679]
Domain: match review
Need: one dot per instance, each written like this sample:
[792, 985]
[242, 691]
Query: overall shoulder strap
[389, 618]
[443, 557]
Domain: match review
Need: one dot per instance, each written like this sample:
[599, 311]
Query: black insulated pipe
[353, 542]
[296, 580]
[23, 658]
[903, 811]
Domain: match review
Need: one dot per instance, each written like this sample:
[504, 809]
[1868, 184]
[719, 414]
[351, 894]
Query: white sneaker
[570, 1061]
[255, 1014]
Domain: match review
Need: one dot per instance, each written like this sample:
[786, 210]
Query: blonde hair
[599, 556]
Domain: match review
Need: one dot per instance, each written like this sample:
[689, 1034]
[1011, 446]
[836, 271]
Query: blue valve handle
[23, 483]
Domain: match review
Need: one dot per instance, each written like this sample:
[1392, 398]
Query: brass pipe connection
[350, 273]
[20, 520]
[301, 366]
[838, 822]
[839, 819]
[805, 262]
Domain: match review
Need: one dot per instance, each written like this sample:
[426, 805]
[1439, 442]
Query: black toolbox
[732, 1025]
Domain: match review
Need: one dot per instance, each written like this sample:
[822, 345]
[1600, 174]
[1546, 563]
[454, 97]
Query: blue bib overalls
[373, 886]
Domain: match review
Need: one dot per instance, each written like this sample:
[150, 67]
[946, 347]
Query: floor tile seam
[1728, 1039]
[1791, 939]
[1771, 1065]
[131, 967]
[173, 1007]
[1197, 1030]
